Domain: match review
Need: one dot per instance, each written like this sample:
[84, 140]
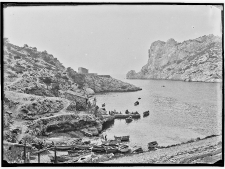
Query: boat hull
[122, 138]
[124, 116]
[123, 148]
[61, 148]
[110, 149]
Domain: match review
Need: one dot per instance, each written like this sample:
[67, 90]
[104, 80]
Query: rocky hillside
[42, 97]
[29, 71]
[192, 60]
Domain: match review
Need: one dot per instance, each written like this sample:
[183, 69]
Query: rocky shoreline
[207, 150]
[216, 81]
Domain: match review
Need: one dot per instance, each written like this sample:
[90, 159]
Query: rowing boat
[111, 149]
[123, 148]
[61, 148]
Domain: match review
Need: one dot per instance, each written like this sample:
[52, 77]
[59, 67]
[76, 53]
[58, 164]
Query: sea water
[179, 111]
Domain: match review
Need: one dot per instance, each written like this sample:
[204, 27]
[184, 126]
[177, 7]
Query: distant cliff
[192, 60]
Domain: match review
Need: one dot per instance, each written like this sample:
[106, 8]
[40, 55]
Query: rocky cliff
[198, 59]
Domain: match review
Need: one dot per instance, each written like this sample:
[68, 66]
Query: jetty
[124, 116]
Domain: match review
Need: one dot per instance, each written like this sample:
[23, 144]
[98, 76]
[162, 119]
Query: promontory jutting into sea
[73, 108]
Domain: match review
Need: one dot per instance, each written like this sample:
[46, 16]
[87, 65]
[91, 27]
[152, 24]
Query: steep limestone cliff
[192, 60]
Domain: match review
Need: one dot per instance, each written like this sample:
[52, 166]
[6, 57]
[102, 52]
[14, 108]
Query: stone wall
[81, 102]
[82, 70]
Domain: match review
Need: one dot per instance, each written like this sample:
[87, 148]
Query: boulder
[89, 91]
[93, 130]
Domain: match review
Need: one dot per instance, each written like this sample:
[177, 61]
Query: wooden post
[39, 147]
[55, 156]
[25, 151]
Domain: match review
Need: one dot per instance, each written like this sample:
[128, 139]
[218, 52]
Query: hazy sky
[106, 39]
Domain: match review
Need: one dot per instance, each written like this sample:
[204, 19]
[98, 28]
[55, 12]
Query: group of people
[113, 112]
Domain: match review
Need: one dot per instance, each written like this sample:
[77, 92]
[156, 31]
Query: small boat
[122, 138]
[117, 138]
[123, 148]
[61, 148]
[82, 147]
[139, 98]
[84, 159]
[61, 158]
[98, 149]
[136, 103]
[73, 153]
[125, 138]
[112, 142]
[137, 149]
[129, 119]
[146, 113]
[152, 145]
[111, 149]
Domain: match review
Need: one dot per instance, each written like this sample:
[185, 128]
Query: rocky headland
[198, 59]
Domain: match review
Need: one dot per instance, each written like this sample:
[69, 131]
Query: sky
[107, 39]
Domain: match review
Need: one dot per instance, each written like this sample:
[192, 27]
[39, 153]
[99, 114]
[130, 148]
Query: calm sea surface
[179, 111]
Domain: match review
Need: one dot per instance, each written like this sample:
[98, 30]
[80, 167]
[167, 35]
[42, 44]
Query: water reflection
[107, 125]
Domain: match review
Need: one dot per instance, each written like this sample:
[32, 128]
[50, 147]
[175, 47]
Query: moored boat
[98, 149]
[73, 153]
[137, 149]
[152, 145]
[61, 158]
[61, 148]
[111, 149]
[112, 142]
[82, 147]
[117, 138]
[129, 119]
[122, 138]
[146, 113]
[136, 103]
[125, 138]
[124, 116]
[123, 148]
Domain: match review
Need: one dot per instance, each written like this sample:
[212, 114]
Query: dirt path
[202, 151]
